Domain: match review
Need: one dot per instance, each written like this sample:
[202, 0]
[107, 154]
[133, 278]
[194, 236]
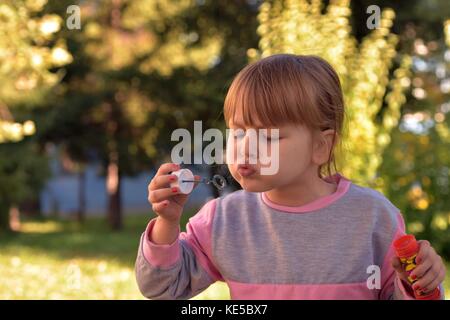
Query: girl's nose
[248, 149]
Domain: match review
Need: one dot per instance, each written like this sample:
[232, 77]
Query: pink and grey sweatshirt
[325, 249]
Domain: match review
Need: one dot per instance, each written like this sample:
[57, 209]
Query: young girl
[291, 235]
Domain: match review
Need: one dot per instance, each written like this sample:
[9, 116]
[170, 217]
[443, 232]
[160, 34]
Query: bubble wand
[185, 181]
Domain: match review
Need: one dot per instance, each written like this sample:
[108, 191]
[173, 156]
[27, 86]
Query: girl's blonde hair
[289, 89]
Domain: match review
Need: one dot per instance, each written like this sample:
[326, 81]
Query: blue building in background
[61, 193]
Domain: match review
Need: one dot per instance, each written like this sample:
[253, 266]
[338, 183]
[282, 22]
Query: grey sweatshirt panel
[183, 280]
[331, 245]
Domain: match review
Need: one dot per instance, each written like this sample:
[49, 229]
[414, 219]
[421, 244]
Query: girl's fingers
[163, 170]
[167, 168]
[435, 282]
[160, 206]
[162, 181]
[396, 264]
[158, 191]
[424, 250]
[421, 269]
[425, 282]
[162, 194]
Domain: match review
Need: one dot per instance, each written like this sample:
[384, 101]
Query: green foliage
[142, 69]
[416, 165]
[415, 171]
[22, 175]
[28, 50]
[114, 94]
[373, 93]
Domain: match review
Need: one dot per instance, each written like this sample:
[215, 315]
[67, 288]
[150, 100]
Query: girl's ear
[323, 143]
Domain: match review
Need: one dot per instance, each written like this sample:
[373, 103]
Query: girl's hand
[167, 202]
[430, 270]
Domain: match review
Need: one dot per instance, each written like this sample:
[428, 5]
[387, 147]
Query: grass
[61, 260]
[53, 259]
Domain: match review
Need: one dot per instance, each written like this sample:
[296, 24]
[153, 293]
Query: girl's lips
[245, 171]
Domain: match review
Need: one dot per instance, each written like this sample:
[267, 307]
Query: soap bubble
[219, 182]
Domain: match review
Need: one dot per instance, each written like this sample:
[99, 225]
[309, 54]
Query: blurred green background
[91, 91]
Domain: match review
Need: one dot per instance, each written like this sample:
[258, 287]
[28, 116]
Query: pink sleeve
[197, 238]
[160, 255]
[392, 286]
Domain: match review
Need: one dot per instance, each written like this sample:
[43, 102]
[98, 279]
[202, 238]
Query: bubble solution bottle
[406, 248]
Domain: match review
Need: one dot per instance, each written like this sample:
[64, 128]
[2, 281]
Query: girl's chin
[253, 185]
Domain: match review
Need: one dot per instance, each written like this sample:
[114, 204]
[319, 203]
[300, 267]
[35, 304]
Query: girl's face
[299, 155]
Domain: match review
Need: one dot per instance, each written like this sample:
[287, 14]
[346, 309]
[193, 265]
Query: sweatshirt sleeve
[182, 269]
[393, 287]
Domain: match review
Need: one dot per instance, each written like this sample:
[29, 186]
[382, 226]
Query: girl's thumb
[396, 264]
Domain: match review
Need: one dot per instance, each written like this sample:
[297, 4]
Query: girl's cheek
[230, 152]
[233, 170]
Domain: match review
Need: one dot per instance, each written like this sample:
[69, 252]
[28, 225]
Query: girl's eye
[270, 138]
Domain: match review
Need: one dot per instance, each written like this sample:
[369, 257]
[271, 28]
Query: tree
[416, 166]
[142, 69]
[27, 57]
[372, 76]
[29, 50]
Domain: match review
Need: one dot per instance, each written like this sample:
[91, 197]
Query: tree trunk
[4, 217]
[113, 189]
[31, 208]
[14, 218]
[113, 174]
[81, 213]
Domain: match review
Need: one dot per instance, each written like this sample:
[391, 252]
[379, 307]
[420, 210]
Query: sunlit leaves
[418, 176]
[302, 27]
[447, 31]
[26, 56]
[418, 198]
[12, 131]
[148, 32]
[132, 55]
[141, 13]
